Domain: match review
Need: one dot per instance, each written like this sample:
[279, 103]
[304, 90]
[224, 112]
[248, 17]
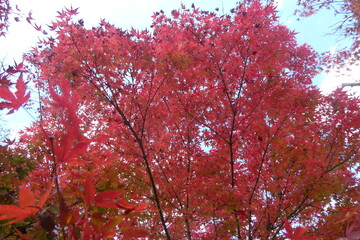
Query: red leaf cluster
[13, 101]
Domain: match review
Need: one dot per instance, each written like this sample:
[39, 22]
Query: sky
[137, 13]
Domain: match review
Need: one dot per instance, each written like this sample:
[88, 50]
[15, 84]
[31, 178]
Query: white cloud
[335, 79]
[15, 122]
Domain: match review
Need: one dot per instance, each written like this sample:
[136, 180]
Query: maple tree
[349, 25]
[205, 127]
[5, 10]
[349, 9]
[8, 12]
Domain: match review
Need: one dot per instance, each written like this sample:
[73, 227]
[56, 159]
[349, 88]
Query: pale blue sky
[137, 13]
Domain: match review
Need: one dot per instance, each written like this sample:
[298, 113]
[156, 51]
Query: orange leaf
[110, 227]
[26, 197]
[9, 209]
[16, 213]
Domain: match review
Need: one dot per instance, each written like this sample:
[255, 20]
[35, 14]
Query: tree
[349, 9]
[5, 10]
[205, 127]
[349, 26]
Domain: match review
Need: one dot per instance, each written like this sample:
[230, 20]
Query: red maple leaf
[14, 101]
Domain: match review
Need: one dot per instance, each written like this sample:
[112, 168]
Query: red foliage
[5, 10]
[206, 128]
[13, 101]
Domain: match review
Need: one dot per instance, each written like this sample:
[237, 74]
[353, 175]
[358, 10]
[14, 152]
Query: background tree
[349, 25]
[207, 127]
[5, 10]
[349, 9]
